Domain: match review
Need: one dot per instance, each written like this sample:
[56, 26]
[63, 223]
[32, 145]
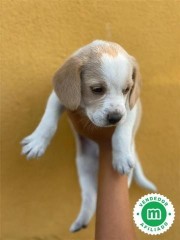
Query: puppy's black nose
[114, 117]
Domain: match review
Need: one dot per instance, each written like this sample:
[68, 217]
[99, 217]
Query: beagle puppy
[100, 81]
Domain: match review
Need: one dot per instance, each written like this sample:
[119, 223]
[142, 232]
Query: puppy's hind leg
[87, 166]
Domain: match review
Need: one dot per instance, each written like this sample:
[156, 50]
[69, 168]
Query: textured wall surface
[41, 198]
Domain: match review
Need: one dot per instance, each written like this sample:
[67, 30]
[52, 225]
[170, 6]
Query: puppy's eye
[126, 90]
[97, 90]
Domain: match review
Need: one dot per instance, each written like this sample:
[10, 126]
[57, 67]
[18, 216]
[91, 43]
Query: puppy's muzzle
[114, 117]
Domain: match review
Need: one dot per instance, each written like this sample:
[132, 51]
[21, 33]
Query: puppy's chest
[86, 128]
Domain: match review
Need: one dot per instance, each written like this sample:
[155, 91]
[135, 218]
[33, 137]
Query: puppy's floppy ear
[136, 77]
[67, 83]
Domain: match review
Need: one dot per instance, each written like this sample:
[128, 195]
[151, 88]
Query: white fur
[35, 144]
[87, 167]
[115, 71]
[86, 159]
[122, 143]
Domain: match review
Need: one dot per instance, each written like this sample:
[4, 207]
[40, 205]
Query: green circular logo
[153, 214]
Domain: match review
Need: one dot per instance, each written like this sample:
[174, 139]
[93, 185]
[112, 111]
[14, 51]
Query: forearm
[113, 220]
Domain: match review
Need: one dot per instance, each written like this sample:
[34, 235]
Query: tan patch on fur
[87, 61]
[110, 50]
[67, 83]
[135, 92]
[86, 128]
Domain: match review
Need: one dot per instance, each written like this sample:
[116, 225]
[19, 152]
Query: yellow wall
[41, 198]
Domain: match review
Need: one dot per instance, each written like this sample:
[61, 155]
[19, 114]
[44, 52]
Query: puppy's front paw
[123, 164]
[34, 146]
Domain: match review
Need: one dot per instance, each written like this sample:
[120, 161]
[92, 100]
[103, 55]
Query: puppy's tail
[141, 179]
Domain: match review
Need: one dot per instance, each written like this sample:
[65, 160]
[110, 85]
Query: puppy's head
[101, 79]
